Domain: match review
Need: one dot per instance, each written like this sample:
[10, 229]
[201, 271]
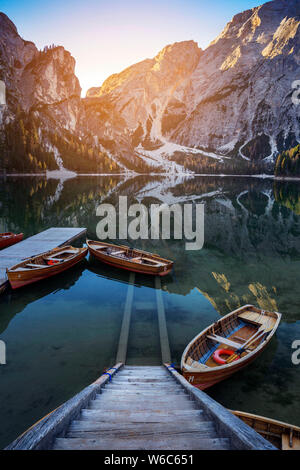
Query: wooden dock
[43, 241]
[141, 408]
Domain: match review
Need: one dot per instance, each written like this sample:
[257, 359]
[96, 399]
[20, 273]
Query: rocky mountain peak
[185, 53]
[238, 100]
[231, 102]
[52, 77]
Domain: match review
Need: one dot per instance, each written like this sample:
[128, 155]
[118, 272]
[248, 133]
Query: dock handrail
[41, 434]
[241, 435]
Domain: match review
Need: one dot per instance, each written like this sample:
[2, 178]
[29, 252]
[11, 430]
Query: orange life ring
[217, 355]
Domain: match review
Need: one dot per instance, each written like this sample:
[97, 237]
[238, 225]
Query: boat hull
[133, 269]
[21, 279]
[5, 242]
[204, 380]
[129, 266]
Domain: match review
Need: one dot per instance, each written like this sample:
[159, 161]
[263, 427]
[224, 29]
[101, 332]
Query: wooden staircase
[142, 408]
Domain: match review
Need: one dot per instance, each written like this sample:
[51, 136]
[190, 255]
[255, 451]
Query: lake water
[61, 334]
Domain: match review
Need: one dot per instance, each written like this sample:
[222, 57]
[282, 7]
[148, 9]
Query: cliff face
[126, 113]
[238, 100]
[233, 99]
[38, 80]
[43, 122]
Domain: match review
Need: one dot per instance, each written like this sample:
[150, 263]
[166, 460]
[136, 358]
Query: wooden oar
[250, 341]
[261, 328]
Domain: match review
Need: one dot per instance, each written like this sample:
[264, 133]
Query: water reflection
[69, 327]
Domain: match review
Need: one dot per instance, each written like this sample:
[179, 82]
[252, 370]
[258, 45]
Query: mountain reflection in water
[62, 333]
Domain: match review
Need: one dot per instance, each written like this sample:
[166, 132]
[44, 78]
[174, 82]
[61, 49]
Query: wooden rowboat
[44, 265]
[228, 345]
[9, 238]
[130, 259]
[282, 435]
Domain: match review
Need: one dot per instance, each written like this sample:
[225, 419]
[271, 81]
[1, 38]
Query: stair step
[140, 405]
[140, 416]
[86, 429]
[155, 373]
[139, 386]
[143, 368]
[172, 399]
[132, 376]
[180, 441]
[145, 393]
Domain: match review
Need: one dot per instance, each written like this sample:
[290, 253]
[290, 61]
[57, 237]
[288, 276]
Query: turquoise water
[61, 334]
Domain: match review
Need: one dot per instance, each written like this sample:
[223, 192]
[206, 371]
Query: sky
[106, 36]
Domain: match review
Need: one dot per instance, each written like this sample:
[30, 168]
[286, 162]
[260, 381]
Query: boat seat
[153, 262]
[238, 338]
[195, 364]
[137, 258]
[221, 340]
[56, 260]
[251, 317]
[37, 265]
[117, 252]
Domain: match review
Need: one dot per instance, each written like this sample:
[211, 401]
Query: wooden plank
[145, 393]
[141, 405]
[143, 387]
[171, 425]
[221, 340]
[138, 396]
[163, 332]
[145, 368]
[242, 437]
[180, 441]
[140, 416]
[94, 430]
[141, 380]
[41, 435]
[31, 246]
[124, 335]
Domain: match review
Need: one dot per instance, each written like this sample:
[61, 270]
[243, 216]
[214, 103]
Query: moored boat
[123, 257]
[9, 238]
[44, 265]
[228, 345]
[282, 435]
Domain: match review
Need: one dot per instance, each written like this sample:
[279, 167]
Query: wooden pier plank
[180, 441]
[163, 332]
[97, 419]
